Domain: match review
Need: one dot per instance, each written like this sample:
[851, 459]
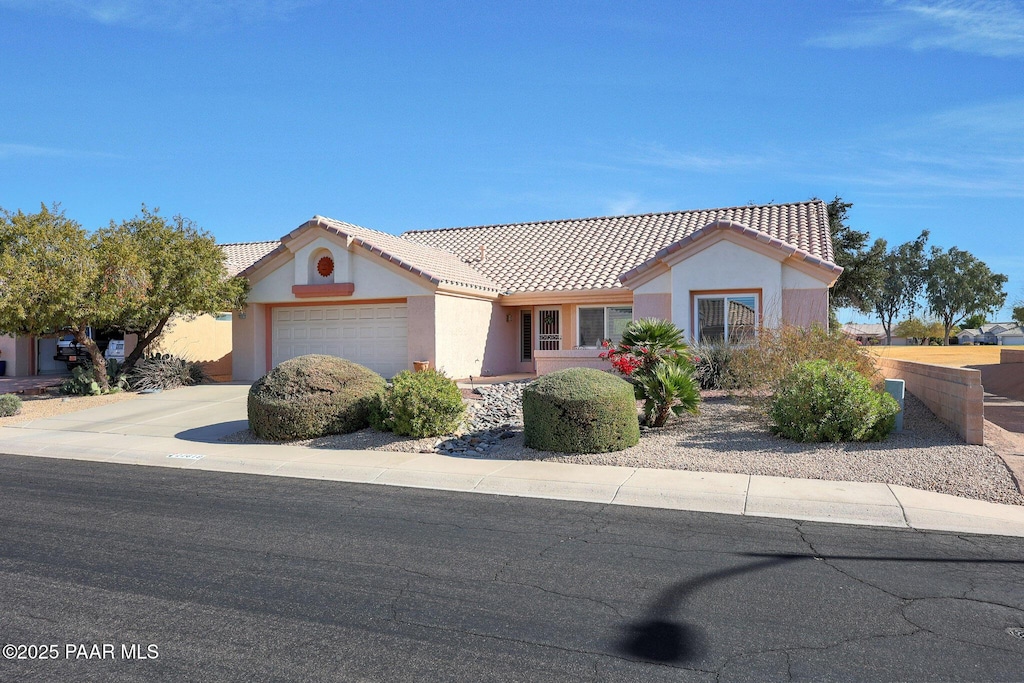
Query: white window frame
[606, 331]
[725, 297]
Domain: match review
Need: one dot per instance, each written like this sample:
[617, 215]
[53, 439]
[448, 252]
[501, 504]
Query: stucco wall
[652, 306]
[955, 395]
[550, 361]
[1011, 355]
[805, 307]
[420, 317]
[372, 279]
[726, 266]
[249, 343]
[205, 339]
[473, 337]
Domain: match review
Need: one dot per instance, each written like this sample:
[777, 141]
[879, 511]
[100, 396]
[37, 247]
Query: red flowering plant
[653, 356]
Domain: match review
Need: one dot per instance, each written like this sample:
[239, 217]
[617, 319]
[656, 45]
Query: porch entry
[549, 329]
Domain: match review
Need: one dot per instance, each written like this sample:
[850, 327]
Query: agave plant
[669, 388]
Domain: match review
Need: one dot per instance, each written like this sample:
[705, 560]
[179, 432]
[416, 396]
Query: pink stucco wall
[550, 361]
[805, 307]
[420, 312]
[652, 306]
[249, 343]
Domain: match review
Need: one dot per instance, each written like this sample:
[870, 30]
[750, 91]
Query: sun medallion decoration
[325, 266]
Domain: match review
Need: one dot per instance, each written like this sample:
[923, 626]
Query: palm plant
[666, 389]
[651, 341]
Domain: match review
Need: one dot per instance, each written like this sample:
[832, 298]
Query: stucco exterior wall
[17, 352]
[550, 361]
[422, 332]
[652, 306]
[205, 339]
[805, 307]
[249, 343]
[372, 280]
[725, 266]
[472, 337]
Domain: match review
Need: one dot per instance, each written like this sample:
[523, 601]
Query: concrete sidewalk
[736, 494]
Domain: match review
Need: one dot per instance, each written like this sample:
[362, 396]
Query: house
[529, 297]
[1008, 334]
[871, 334]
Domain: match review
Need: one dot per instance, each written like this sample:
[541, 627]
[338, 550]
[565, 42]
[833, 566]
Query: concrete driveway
[201, 413]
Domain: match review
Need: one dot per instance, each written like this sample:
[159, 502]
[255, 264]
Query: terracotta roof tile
[590, 253]
[240, 255]
[436, 265]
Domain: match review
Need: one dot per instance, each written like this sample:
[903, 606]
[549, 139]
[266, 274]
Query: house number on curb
[186, 456]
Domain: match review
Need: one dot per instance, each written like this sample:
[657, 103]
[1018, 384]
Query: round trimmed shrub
[580, 410]
[420, 404]
[9, 405]
[312, 396]
[823, 401]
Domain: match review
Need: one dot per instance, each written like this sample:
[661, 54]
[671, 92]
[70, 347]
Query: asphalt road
[233, 577]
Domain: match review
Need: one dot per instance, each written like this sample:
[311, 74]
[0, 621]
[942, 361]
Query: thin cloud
[10, 150]
[692, 160]
[174, 15]
[987, 27]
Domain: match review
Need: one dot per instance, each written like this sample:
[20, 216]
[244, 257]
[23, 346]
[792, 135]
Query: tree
[1018, 312]
[904, 271]
[863, 266]
[55, 276]
[958, 285]
[973, 322]
[919, 330]
[185, 269]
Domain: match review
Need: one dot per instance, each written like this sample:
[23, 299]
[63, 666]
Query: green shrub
[711, 364]
[164, 371]
[9, 405]
[824, 401]
[669, 388]
[420, 404]
[580, 410]
[312, 396]
[758, 368]
[82, 383]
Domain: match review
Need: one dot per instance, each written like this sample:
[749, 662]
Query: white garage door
[371, 335]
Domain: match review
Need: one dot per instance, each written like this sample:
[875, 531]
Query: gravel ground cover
[54, 403]
[727, 436]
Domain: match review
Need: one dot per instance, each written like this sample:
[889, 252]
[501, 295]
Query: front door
[549, 329]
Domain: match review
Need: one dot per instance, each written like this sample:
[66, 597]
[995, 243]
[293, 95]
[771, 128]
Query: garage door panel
[373, 335]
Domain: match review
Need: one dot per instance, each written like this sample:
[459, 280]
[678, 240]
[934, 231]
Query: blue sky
[250, 116]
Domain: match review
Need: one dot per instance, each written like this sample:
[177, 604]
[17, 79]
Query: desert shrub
[312, 396]
[82, 383]
[580, 410]
[667, 389]
[420, 404]
[824, 401]
[775, 352]
[711, 364]
[164, 371]
[654, 358]
[9, 405]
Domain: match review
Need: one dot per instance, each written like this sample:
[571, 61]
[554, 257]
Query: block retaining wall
[1011, 356]
[955, 395]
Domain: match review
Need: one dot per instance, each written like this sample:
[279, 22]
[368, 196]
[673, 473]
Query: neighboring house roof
[864, 329]
[240, 255]
[1015, 331]
[592, 253]
[969, 333]
[436, 265]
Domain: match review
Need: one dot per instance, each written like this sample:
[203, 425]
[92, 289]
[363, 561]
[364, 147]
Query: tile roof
[437, 265]
[591, 253]
[240, 255]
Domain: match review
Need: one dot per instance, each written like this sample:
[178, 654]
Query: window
[597, 324]
[731, 317]
[525, 336]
